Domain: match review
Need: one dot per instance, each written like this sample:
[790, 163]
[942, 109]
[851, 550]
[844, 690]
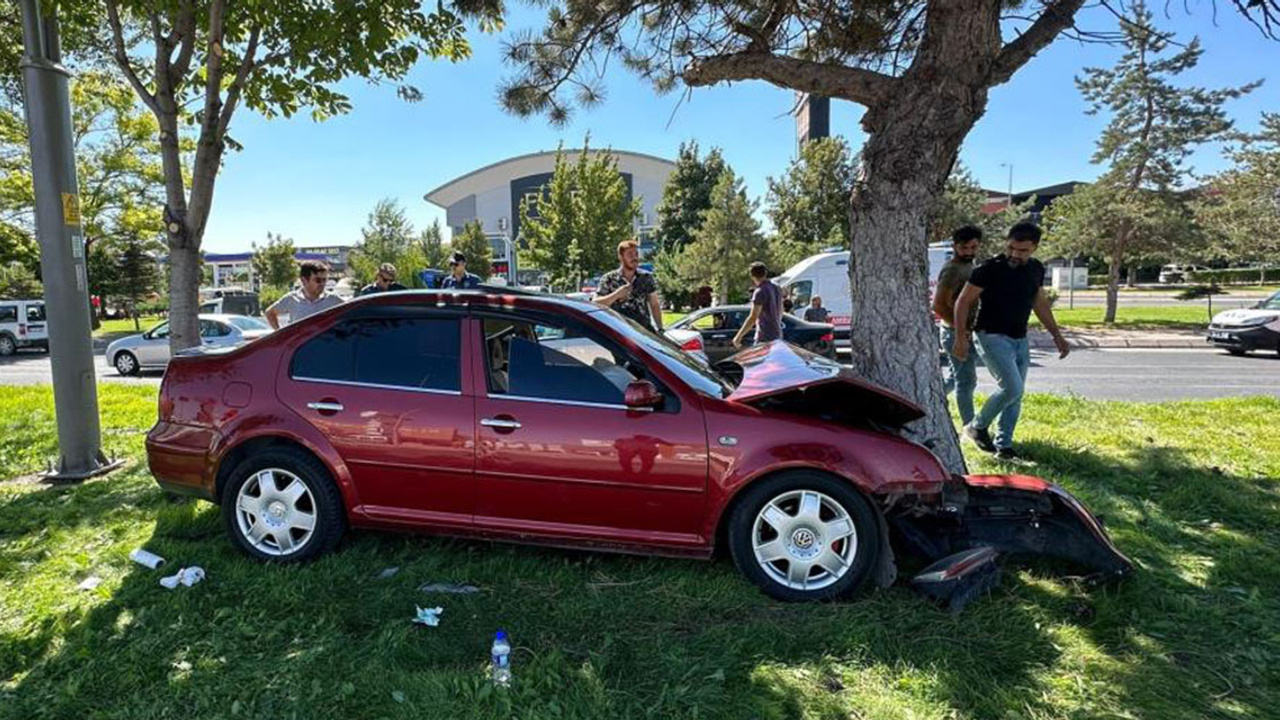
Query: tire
[8, 345]
[1238, 352]
[803, 542]
[126, 363]
[283, 522]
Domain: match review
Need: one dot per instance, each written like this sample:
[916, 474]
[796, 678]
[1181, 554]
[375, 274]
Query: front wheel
[803, 536]
[1238, 352]
[283, 506]
[126, 364]
[8, 346]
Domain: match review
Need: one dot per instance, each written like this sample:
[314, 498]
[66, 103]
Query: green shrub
[1236, 276]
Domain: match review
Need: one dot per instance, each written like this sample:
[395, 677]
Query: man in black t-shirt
[1011, 288]
[631, 291]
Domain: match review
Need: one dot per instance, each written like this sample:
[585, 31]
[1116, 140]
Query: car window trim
[378, 386]
[574, 403]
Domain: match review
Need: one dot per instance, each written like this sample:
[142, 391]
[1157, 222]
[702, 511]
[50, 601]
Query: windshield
[1271, 303]
[248, 323]
[692, 371]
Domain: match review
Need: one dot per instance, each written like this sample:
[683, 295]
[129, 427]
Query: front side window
[8, 313]
[411, 353]
[248, 323]
[800, 292]
[548, 362]
[159, 332]
[211, 329]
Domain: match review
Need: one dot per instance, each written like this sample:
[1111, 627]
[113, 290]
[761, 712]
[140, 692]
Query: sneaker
[1007, 454]
[981, 438]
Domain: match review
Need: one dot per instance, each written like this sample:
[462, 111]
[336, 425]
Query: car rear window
[418, 353]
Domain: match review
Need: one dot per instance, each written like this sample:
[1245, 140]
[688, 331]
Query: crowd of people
[986, 307]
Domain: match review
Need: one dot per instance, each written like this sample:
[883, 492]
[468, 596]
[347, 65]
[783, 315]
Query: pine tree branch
[859, 85]
[1057, 16]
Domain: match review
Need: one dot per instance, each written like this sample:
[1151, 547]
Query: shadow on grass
[599, 635]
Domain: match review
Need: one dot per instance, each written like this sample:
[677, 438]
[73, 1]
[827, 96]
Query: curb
[1045, 342]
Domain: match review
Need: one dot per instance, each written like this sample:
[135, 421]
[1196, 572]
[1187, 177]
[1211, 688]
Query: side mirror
[642, 394]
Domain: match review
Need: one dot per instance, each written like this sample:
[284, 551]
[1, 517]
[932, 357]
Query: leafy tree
[17, 281]
[473, 243]
[274, 262]
[432, 243]
[962, 203]
[104, 277]
[726, 242]
[200, 60]
[923, 70]
[1154, 127]
[809, 205]
[387, 237]
[687, 195]
[581, 215]
[1240, 211]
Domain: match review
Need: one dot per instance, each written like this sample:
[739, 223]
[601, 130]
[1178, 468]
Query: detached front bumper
[1015, 514]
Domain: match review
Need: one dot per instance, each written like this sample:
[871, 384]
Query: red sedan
[540, 419]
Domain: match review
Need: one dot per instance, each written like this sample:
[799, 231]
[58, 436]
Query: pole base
[54, 477]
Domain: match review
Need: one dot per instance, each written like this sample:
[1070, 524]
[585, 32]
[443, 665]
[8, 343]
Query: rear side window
[35, 313]
[8, 313]
[418, 353]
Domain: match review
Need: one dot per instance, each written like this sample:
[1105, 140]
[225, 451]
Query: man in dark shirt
[962, 375]
[384, 281]
[766, 308]
[458, 277]
[630, 291]
[1011, 286]
[815, 312]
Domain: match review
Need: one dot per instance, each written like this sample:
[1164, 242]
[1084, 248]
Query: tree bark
[1113, 284]
[913, 138]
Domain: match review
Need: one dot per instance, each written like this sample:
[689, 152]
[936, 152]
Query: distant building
[997, 200]
[335, 255]
[237, 268]
[493, 195]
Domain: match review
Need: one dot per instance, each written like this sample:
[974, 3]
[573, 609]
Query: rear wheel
[282, 505]
[802, 536]
[8, 346]
[1238, 352]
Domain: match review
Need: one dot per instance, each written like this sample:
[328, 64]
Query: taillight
[22, 329]
[829, 337]
[693, 343]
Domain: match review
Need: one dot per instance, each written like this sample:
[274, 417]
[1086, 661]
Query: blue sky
[316, 182]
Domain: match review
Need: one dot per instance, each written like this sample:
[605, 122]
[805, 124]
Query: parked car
[22, 325]
[1246, 329]
[1177, 274]
[150, 350]
[718, 325]
[484, 423]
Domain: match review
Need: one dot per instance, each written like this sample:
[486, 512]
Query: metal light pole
[1010, 187]
[62, 249]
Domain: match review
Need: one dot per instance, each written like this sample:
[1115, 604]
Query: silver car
[150, 350]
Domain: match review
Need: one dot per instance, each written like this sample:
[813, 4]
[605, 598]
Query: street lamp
[1010, 187]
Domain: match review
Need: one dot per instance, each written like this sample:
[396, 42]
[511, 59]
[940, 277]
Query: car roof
[481, 295]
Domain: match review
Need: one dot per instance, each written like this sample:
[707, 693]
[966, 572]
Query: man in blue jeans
[962, 375]
[1011, 287]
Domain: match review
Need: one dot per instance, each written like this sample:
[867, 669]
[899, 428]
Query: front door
[559, 454]
[386, 389]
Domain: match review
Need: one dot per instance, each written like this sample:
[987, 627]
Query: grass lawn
[124, 327]
[1192, 316]
[1190, 492]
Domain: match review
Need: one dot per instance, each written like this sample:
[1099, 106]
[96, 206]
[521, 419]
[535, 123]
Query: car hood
[123, 343]
[800, 381]
[1237, 317]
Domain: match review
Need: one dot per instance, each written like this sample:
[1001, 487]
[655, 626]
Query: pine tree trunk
[913, 139]
[1113, 287]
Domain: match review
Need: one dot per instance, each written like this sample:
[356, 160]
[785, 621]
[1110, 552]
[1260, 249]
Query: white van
[22, 324]
[827, 275]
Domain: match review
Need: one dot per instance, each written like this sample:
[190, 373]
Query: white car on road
[150, 350]
[1247, 329]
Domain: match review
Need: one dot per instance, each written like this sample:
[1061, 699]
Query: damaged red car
[538, 419]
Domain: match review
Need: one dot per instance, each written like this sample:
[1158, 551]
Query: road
[1120, 374]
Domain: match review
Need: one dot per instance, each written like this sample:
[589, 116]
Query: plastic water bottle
[500, 660]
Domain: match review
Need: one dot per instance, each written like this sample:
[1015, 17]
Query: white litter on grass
[145, 558]
[448, 588]
[389, 572]
[90, 583]
[428, 616]
[186, 576]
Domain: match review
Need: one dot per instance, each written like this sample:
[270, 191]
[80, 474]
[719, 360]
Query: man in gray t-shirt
[766, 308]
[308, 300]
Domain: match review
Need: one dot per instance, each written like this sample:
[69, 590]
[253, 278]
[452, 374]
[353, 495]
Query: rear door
[37, 327]
[717, 328]
[385, 386]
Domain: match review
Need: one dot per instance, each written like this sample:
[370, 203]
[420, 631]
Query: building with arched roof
[493, 193]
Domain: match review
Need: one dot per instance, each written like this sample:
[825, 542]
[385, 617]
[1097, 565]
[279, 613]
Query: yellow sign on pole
[71, 208]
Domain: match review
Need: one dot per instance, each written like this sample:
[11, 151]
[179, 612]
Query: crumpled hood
[805, 382]
[1239, 317]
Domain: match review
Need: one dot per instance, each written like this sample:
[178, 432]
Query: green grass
[1189, 491]
[1156, 317]
[123, 327]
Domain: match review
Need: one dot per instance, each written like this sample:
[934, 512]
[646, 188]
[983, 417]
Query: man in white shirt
[308, 300]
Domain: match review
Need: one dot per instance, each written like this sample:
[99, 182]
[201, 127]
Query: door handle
[500, 423]
[325, 407]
